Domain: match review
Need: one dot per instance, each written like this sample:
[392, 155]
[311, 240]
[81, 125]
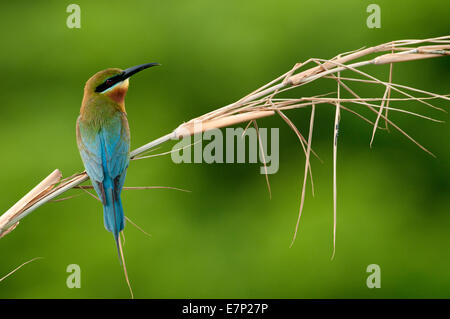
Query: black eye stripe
[109, 82]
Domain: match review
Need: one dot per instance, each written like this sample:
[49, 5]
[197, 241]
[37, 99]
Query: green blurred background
[226, 239]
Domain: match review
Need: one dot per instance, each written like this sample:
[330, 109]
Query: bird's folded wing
[115, 138]
[89, 145]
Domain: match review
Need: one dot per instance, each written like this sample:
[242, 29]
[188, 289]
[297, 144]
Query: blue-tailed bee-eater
[103, 138]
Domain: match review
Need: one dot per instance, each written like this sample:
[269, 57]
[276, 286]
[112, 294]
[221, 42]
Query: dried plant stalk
[17, 268]
[265, 102]
[19, 210]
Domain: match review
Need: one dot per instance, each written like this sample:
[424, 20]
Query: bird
[103, 139]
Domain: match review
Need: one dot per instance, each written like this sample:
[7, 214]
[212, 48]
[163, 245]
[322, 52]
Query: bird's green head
[112, 83]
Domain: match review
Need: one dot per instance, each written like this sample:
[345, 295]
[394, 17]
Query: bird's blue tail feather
[113, 215]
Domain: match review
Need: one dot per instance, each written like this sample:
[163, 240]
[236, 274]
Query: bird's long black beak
[135, 69]
[123, 76]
